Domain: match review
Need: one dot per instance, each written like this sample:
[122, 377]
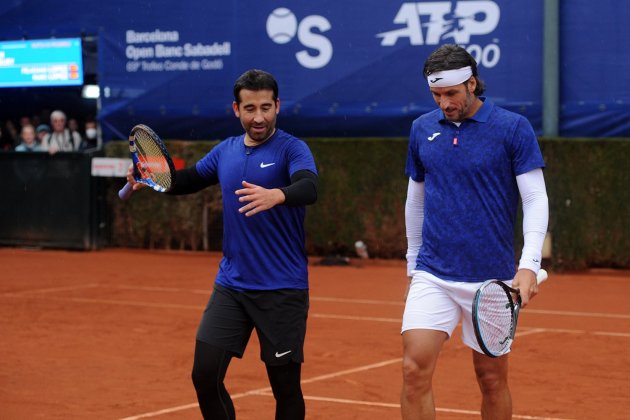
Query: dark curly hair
[255, 80]
[451, 57]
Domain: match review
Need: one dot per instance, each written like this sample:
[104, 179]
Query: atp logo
[283, 26]
[432, 23]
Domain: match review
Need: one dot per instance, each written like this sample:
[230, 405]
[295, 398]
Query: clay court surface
[110, 335]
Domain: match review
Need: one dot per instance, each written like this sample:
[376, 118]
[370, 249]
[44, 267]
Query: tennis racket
[152, 165]
[495, 314]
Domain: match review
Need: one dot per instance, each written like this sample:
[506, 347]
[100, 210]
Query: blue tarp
[350, 68]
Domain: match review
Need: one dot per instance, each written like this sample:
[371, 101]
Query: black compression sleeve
[303, 189]
[187, 181]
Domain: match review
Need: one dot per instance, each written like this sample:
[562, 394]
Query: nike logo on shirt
[264, 165]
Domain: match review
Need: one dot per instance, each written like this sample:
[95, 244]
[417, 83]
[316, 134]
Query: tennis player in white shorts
[436, 304]
[470, 163]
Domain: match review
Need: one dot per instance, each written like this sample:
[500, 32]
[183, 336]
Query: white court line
[206, 292]
[312, 315]
[611, 334]
[529, 311]
[532, 311]
[373, 301]
[51, 289]
[354, 370]
[119, 302]
[161, 412]
[397, 405]
[264, 391]
[355, 318]
[567, 331]
[313, 298]
[259, 391]
[267, 392]
[572, 313]
[362, 301]
[346, 401]
[521, 333]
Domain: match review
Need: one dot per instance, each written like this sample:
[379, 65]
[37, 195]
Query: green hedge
[153, 220]
[362, 193]
[588, 184]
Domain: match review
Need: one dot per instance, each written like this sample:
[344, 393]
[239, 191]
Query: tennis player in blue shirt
[267, 177]
[468, 163]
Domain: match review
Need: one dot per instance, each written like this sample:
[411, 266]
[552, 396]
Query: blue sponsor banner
[350, 68]
[595, 68]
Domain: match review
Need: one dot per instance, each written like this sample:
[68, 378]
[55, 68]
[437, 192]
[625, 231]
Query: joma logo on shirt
[433, 136]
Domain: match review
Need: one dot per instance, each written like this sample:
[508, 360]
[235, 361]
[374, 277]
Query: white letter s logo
[315, 41]
[282, 26]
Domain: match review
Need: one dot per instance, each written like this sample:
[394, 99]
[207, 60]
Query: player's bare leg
[420, 353]
[492, 377]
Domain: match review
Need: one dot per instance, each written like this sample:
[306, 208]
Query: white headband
[449, 78]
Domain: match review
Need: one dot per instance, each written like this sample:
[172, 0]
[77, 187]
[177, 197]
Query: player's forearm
[535, 217]
[303, 189]
[414, 218]
[187, 181]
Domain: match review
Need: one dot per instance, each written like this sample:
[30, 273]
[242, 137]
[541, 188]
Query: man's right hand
[130, 179]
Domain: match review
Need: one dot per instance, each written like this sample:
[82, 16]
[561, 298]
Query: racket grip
[126, 191]
[542, 275]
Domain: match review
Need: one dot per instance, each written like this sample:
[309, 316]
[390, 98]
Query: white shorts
[435, 304]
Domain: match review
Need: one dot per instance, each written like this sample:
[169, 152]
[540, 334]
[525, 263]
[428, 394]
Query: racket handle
[542, 275]
[126, 191]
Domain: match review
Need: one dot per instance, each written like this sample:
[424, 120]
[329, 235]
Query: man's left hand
[260, 199]
[525, 281]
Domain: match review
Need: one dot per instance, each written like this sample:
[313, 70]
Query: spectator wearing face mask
[90, 137]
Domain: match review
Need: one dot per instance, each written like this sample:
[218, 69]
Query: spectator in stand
[3, 141]
[13, 135]
[73, 126]
[29, 140]
[24, 121]
[61, 139]
[43, 130]
[6, 141]
[90, 137]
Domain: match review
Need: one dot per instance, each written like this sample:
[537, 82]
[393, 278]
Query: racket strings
[495, 318]
[153, 162]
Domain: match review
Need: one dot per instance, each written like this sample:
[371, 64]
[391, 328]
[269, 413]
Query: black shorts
[279, 317]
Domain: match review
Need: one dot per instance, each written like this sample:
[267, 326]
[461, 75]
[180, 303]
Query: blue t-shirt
[264, 251]
[471, 196]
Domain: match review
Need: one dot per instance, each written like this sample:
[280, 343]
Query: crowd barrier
[51, 201]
